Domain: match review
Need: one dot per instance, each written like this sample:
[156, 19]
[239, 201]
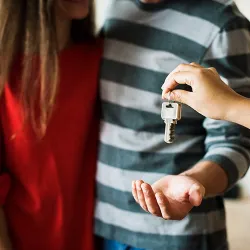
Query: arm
[242, 106]
[217, 181]
[227, 144]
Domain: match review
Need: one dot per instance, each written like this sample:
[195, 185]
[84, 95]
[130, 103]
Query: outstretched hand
[171, 198]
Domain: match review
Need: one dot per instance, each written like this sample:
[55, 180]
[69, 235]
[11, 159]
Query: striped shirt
[145, 42]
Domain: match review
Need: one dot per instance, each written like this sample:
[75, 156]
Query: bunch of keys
[170, 113]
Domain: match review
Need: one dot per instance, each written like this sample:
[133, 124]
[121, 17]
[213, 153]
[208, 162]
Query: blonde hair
[29, 26]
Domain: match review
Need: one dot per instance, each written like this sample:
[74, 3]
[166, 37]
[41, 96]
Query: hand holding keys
[170, 113]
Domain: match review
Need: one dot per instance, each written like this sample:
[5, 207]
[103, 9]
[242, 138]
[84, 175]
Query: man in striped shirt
[144, 42]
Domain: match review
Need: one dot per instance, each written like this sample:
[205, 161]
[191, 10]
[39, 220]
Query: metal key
[170, 113]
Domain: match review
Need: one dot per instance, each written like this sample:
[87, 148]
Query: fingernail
[163, 86]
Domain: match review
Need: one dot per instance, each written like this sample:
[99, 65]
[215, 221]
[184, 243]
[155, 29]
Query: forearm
[210, 175]
[240, 112]
[4, 238]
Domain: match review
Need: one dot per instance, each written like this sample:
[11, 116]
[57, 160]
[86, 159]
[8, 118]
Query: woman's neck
[63, 28]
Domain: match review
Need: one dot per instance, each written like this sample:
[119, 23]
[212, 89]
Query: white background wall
[101, 9]
[245, 185]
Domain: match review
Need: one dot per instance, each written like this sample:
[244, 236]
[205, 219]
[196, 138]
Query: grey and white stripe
[121, 179]
[240, 162]
[199, 30]
[124, 138]
[160, 61]
[230, 37]
[147, 224]
[135, 98]
[130, 97]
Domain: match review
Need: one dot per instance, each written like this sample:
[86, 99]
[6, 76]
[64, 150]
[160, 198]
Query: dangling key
[170, 113]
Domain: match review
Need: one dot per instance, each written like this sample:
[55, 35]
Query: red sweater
[50, 203]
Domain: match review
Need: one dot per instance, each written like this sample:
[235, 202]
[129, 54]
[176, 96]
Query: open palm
[171, 197]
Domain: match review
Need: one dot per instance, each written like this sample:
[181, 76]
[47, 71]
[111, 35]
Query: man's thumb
[179, 95]
[196, 194]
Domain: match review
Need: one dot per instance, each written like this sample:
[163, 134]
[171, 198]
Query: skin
[65, 12]
[173, 196]
[209, 93]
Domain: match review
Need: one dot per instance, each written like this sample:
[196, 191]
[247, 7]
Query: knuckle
[161, 203]
[182, 65]
[200, 72]
[146, 192]
[213, 70]
[140, 196]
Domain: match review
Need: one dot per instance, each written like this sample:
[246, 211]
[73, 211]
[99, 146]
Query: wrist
[210, 175]
[233, 108]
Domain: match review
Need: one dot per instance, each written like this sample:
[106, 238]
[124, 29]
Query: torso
[50, 203]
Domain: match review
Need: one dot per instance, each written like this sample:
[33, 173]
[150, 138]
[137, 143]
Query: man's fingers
[140, 195]
[170, 83]
[196, 194]
[163, 205]
[134, 191]
[187, 67]
[150, 199]
[184, 77]
[181, 96]
[183, 74]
